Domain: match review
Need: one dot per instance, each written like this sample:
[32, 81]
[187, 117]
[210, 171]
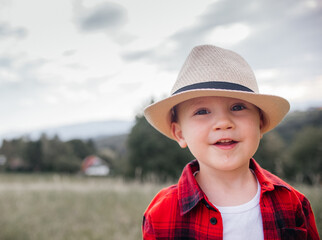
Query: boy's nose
[223, 122]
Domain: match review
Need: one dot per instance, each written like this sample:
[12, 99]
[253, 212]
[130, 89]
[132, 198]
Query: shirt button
[213, 221]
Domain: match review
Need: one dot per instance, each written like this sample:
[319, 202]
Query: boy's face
[222, 133]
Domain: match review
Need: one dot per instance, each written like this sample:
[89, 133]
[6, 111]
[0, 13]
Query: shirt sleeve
[312, 232]
[147, 229]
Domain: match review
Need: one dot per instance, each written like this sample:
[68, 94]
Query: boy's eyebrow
[192, 105]
[196, 102]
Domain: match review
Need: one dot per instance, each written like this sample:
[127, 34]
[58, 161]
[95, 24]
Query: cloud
[269, 34]
[28, 91]
[69, 52]
[229, 35]
[8, 73]
[19, 77]
[6, 30]
[103, 17]
[5, 62]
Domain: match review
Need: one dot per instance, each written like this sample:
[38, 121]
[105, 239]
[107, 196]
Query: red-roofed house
[94, 166]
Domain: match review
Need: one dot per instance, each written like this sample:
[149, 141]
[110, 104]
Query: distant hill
[78, 131]
[116, 143]
[295, 121]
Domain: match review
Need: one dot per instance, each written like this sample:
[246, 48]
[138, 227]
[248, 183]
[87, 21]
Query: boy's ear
[177, 134]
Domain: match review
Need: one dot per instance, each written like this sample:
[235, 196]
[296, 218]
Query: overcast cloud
[8, 31]
[102, 17]
[70, 61]
[268, 33]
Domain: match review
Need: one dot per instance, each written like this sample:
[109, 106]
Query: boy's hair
[213, 71]
[174, 114]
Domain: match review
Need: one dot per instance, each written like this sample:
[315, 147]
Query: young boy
[216, 111]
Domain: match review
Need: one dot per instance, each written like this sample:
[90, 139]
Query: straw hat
[213, 71]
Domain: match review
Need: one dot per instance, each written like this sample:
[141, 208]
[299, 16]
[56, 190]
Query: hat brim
[274, 108]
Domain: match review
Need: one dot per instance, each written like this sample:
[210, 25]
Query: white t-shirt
[243, 221]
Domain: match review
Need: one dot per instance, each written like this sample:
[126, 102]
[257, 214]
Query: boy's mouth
[225, 142]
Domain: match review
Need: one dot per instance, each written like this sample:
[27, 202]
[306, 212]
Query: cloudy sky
[73, 61]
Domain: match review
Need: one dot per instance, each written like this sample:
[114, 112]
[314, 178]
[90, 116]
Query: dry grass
[314, 194]
[53, 207]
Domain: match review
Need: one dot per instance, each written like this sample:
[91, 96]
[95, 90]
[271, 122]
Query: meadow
[63, 207]
[55, 207]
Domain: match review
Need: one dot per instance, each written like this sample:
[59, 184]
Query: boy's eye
[202, 112]
[238, 107]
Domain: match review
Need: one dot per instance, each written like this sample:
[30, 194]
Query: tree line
[293, 151]
[45, 154]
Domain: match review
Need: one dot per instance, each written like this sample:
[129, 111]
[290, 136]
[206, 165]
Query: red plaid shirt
[182, 211]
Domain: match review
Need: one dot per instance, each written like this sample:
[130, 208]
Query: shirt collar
[267, 180]
[189, 192]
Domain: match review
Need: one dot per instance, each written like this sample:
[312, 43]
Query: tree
[46, 154]
[59, 156]
[298, 120]
[34, 155]
[305, 156]
[270, 153]
[15, 152]
[151, 154]
[82, 149]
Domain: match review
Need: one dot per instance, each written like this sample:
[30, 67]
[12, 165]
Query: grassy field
[56, 207]
[314, 194]
[52, 207]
